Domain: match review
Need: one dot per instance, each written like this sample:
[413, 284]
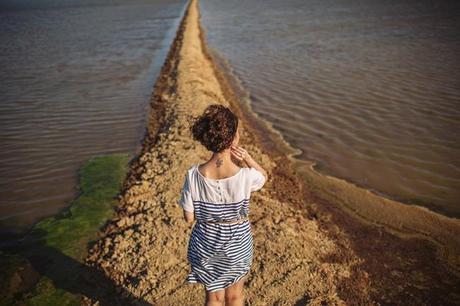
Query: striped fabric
[219, 254]
[207, 211]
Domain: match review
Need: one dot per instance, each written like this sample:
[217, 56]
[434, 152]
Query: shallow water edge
[365, 205]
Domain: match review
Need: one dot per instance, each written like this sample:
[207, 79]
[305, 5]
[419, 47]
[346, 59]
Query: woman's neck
[221, 158]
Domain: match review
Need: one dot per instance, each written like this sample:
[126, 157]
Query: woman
[216, 195]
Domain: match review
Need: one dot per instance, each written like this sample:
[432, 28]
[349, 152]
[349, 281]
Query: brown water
[370, 90]
[76, 82]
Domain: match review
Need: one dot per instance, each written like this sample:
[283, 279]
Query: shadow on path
[71, 275]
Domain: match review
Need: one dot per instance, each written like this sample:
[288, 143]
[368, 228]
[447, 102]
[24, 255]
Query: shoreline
[328, 258]
[364, 204]
[293, 152]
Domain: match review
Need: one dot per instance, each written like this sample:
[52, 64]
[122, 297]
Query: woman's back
[220, 253]
[217, 172]
[219, 199]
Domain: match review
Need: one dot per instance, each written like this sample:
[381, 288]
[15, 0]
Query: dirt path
[145, 250]
[302, 254]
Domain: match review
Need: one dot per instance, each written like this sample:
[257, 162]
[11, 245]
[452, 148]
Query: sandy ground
[308, 251]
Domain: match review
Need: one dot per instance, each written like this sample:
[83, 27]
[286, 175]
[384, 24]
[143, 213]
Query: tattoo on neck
[219, 162]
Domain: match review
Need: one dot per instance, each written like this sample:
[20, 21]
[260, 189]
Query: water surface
[76, 82]
[370, 90]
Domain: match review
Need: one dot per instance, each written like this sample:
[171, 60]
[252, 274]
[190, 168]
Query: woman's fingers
[238, 158]
[242, 155]
[236, 155]
[239, 149]
[234, 148]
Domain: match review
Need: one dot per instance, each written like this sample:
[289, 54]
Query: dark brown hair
[215, 128]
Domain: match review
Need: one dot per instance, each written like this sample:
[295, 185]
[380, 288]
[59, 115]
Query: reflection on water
[369, 89]
[75, 83]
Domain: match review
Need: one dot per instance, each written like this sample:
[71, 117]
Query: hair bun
[215, 128]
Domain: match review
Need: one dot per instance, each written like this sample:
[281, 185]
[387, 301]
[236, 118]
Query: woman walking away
[216, 195]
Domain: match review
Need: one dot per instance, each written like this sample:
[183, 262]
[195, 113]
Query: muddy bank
[307, 250]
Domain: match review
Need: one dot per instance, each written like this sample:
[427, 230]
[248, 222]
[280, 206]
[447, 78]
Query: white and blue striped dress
[219, 254]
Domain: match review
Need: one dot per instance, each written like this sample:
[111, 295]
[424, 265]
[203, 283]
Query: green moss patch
[48, 268]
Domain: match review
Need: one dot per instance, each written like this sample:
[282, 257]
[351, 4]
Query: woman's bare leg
[215, 298]
[234, 294]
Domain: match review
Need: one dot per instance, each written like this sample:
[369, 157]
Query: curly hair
[215, 128]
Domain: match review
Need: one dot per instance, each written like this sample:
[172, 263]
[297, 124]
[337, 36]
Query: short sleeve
[256, 179]
[185, 200]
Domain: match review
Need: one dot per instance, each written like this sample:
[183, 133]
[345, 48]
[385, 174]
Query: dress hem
[236, 279]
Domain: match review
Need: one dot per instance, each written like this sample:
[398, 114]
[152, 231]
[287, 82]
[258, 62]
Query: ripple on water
[372, 94]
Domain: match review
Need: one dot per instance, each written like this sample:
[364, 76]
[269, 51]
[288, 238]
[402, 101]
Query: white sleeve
[185, 200]
[256, 179]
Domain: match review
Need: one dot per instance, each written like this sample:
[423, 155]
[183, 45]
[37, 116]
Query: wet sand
[317, 240]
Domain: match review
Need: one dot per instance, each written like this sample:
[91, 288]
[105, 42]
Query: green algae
[55, 248]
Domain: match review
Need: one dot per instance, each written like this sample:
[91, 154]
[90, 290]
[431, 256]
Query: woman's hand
[242, 155]
[239, 153]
